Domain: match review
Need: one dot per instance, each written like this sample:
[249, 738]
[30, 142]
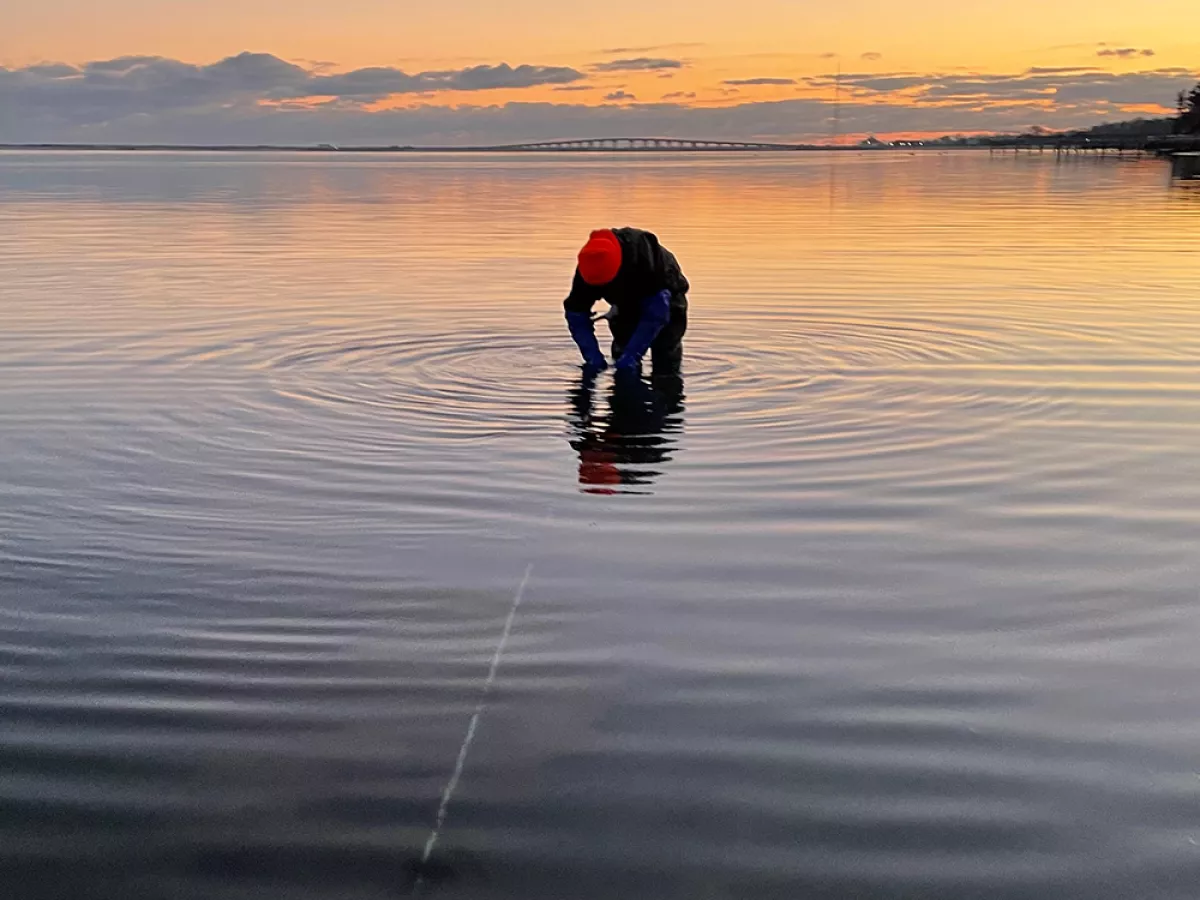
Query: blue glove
[627, 363]
[656, 312]
[584, 335]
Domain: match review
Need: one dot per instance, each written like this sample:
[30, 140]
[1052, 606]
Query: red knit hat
[600, 258]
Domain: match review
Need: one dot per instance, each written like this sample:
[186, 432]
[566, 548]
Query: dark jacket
[647, 267]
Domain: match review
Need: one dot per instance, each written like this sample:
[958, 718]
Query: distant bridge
[1165, 145]
[633, 145]
[603, 144]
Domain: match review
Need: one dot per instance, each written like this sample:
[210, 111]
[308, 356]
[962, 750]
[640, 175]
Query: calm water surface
[894, 594]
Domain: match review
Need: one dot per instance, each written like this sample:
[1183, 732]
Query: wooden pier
[1164, 145]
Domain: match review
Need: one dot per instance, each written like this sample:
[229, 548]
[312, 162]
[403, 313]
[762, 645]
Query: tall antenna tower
[837, 102]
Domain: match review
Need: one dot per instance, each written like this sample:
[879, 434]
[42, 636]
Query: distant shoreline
[300, 148]
[1064, 143]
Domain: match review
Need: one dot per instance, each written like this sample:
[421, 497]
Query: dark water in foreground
[893, 596]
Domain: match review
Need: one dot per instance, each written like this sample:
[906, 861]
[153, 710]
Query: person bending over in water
[647, 295]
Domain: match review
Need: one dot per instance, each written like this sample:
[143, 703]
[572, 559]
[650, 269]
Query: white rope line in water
[460, 763]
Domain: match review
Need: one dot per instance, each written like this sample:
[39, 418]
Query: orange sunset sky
[464, 71]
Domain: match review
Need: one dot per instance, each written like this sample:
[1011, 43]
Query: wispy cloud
[680, 95]
[757, 81]
[654, 48]
[1059, 70]
[619, 96]
[871, 56]
[881, 83]
[638, 64]
[1124, 52]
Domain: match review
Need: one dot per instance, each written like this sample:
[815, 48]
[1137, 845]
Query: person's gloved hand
[584, 335]
[656, 312]
[596, 363]
[627, 364]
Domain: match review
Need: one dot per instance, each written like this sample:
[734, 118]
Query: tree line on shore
[1188, 120]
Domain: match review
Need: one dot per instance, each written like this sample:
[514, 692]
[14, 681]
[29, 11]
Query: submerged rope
[473, 725]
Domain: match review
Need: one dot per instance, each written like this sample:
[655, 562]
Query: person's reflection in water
[623, 450]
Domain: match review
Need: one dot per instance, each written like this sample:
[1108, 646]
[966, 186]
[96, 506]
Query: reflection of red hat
[595, 468]
[600, 258]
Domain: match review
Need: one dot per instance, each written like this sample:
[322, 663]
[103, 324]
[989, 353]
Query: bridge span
[636, 144]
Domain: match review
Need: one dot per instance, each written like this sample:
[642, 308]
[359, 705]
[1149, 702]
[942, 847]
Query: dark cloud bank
[259, 98]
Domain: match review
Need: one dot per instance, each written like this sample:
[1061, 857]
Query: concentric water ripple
[475, 385]
[455, 385]
[811, 402]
